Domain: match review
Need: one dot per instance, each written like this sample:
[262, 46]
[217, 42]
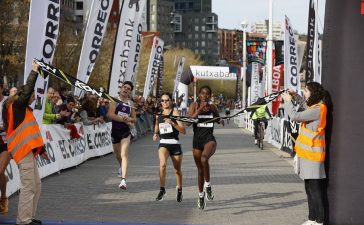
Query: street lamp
[244, 25]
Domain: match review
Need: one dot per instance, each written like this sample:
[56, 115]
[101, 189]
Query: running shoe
[119, 172]
[160, 195]
[179, 194]
[122, 184]
[209, 194]
[4, 205]
[201, 202]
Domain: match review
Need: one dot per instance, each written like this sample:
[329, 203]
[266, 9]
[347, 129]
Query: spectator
[88, 112]
[13, 91]
[4, 155]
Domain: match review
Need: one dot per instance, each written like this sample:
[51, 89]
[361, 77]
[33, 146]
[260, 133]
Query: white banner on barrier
[65, 152]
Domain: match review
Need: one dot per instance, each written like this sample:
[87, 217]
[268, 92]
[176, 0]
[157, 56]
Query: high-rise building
[198, 6]
[159, 17]
[230, 45]
[196, 28]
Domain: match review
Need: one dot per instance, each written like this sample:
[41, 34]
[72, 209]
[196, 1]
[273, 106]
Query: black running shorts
[200, 143]
[117, 135]
[174, 149]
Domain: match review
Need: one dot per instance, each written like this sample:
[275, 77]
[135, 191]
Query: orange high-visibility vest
[25, 137]
[310, 144]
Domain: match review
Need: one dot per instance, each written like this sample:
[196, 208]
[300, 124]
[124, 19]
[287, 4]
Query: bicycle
[260, 134]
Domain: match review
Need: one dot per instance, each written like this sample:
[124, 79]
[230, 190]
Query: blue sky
[232, 12]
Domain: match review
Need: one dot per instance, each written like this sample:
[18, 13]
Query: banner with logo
[256, 51]
[291, 60]
[95, 30]
[65, 152]
[125, 48]
[180, 66]
[42, 37]
[136, 44]
[276, 86]
[311, 46]
[212, 73]
[154, 60]
[254, 83]
[160, 78]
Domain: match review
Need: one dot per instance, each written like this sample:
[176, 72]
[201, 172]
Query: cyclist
[261, 113]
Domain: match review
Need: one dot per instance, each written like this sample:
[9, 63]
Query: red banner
[276, 86]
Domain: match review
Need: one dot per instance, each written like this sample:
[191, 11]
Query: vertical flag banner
[126, 35]
[180, 66]
[42, 37]
[160, 78]
[263, 83]
[154, 60]
[311, 38]
[256, 51]
[94, 34]
[254, 84]
[276, 86]
[136, 45]
[291, 61]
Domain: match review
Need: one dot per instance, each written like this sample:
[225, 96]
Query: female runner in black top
[204, 143]
[169, 145]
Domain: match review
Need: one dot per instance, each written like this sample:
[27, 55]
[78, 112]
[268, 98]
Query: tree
[13, 32]
[171, 58]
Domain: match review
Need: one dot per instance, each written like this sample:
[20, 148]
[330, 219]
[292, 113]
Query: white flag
[94, 34]
[128, 32]
[154, 60]
[180, 65]
[291, 61]
[41, 43]
[254, 85]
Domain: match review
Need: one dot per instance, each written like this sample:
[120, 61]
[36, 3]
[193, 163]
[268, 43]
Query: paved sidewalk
[251, 187]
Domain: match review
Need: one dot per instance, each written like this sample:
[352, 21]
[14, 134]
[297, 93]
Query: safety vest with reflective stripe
[25, 137]
[260, 113]
[310, 144]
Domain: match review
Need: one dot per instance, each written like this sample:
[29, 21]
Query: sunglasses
[164, 100]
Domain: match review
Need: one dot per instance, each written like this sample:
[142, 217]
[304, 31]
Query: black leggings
[315, 196]
[256, 123]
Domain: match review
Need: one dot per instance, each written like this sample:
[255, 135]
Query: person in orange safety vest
[24, 143]
[310, 145]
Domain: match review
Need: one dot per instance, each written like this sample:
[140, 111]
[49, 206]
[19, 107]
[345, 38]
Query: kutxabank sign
[212, 73]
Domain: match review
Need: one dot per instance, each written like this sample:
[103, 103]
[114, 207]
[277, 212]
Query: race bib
[205, 124]
[123, 114]
[165, 128]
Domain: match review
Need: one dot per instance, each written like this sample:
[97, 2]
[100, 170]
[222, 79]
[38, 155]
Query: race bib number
[205, 124]
[122, 114]
[165, 128]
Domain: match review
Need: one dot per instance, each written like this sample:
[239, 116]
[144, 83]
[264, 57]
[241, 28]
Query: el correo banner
[212, 73]
[42, 37]
[124, 48]
[94, 34]
[291, 61]
[63, 151]
[156, 56]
